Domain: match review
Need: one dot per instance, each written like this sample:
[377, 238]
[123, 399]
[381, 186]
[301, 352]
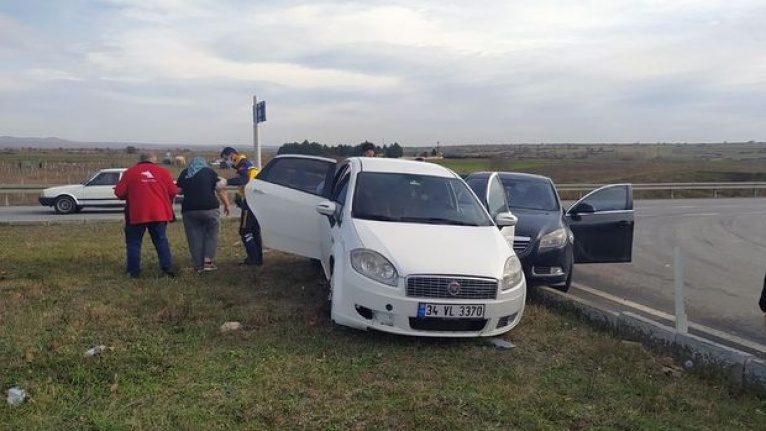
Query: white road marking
[720, 334]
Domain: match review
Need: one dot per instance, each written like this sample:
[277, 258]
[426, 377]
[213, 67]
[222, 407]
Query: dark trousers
[762, 300]
[250, 232]
[134, 236]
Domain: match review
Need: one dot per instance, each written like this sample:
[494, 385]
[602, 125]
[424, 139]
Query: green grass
[167, 366]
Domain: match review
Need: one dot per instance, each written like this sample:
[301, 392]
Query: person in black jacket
[204, 192]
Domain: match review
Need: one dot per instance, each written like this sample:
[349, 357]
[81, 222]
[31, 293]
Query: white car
[407, 247]
[96, 191]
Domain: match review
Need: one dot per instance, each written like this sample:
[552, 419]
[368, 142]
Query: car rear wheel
[64, 205]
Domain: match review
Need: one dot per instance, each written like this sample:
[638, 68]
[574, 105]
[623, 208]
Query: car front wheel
[64, 205]
[564, 287]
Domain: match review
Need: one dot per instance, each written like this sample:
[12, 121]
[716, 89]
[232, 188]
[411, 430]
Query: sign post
[259, 116]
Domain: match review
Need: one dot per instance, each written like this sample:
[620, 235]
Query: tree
[394, 151]
[131, 149]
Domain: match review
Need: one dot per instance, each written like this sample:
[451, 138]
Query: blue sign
[259, 112]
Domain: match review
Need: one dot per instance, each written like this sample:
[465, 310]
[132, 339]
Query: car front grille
[447, 325]
[444, 287]
[520, 244]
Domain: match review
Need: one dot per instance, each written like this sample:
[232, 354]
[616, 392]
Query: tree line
[315, 149]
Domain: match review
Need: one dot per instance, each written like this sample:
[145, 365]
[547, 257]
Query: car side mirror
[506, 219]
[582, 207]
[327, 208]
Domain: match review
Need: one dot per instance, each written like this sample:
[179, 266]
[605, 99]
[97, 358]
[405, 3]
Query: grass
[167, 365]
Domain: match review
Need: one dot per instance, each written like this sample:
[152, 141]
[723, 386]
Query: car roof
[381, 164]
[524, 176]
[113, 170]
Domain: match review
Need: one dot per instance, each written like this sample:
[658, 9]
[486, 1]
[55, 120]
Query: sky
[416, 72]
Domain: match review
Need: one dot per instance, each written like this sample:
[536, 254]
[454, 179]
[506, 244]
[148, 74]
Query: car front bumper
[365, 304]
[46, 201]
[549, 267]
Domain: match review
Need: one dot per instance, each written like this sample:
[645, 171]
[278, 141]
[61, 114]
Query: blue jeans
[134, 236]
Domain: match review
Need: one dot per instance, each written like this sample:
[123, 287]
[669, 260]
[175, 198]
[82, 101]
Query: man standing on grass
[249, 230]
[149, 191]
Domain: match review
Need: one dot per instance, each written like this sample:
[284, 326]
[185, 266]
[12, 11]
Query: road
[723, 242]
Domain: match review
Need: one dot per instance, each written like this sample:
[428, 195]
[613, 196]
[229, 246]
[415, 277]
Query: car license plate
[451, 311]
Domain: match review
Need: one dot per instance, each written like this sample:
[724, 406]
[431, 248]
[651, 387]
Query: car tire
[79, 208]
[64, 205]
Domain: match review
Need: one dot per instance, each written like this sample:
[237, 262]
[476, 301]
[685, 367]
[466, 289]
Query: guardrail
[671, 188]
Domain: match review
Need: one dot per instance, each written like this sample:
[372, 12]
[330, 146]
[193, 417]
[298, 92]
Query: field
[168, 366]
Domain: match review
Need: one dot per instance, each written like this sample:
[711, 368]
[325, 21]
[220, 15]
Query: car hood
[534, 223]
[58, 190]
[437, 249]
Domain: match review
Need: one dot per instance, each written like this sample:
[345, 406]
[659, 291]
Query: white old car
[96, 191]
[407, 246]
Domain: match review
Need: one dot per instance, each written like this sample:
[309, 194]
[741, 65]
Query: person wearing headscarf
[204, 192]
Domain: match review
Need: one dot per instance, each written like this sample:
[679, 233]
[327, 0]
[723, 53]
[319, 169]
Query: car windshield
[90, 177]
[410, 198]
[530, 194]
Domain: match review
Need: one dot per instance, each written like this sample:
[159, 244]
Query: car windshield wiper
[378, 217]
[437, 220]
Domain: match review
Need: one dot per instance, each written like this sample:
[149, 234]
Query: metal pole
[256, 143]
[682, 323]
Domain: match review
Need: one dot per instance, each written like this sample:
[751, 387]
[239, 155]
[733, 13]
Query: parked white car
[407, 247]
[96, 191]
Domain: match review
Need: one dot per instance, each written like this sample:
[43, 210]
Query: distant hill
[54, 143]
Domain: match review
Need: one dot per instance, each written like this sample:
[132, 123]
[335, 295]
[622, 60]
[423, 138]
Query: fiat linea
[406, 246]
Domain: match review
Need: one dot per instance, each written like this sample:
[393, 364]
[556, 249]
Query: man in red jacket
[149, 191]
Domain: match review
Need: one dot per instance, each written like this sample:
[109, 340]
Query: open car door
[284, 197]
[602, 223]
[490, 191]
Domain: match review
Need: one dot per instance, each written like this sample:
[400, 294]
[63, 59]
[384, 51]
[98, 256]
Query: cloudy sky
[415, 71]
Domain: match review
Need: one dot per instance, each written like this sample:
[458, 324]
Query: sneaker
[209, 266]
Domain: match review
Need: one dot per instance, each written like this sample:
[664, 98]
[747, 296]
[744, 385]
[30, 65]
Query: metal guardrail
[671, 186]
[29, 188]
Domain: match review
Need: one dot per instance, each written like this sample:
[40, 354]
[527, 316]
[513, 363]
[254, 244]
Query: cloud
[411, 71]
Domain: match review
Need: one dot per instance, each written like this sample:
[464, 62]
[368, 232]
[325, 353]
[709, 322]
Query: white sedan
[407, 247]
[96, 191]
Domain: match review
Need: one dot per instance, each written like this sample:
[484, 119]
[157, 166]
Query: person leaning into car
[148, 191]
[249, 230]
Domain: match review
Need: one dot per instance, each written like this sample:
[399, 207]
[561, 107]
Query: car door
[283, 198]
[497, 202]
[338, 194]
[490, 191]
[602, 223]
[100, 188]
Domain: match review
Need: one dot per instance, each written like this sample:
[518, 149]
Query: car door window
[340, 191]
[610, 198]
[496, 201]
[306, 175]
[105, 179]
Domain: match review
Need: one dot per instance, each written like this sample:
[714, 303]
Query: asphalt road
[723, 242]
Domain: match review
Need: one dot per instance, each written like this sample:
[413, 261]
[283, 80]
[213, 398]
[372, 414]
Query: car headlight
[512, 273]
[555, 239]
[372, 264]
